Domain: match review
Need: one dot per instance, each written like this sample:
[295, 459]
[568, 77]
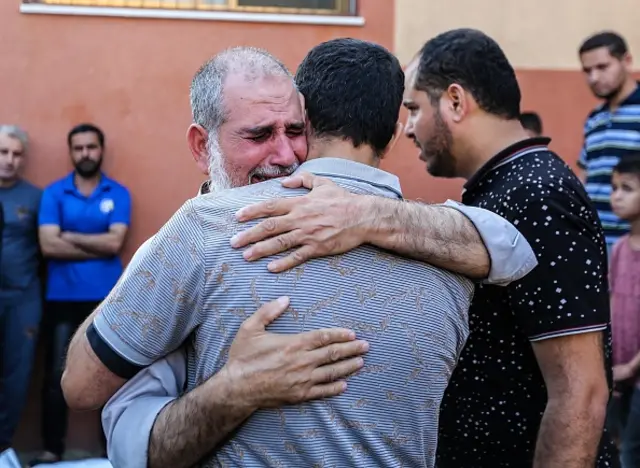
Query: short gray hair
[207, 106]
[16, 132]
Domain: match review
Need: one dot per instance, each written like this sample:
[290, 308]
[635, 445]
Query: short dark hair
[85, 128]
[353, 90]
[531, 121]
[629, 164]
[614, 42]
[476, 62]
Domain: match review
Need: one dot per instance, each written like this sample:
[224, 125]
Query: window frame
[346, 8]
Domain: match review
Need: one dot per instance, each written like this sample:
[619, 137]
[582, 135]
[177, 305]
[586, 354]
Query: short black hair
[476, 62]
[614, 42]
[85, 128]
[531, 121]
[629, 164]
[353, 90]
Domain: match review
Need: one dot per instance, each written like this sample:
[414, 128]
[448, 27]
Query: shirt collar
[631, 99]
[70, 186]
[346, 169]
[508, 152]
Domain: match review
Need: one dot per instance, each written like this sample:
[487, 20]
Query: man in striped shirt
[612, 130]
[342, 292]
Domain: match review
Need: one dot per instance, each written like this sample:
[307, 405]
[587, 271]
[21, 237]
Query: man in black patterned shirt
[531, 387]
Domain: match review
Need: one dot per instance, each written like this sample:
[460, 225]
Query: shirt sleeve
[158, 301]
[49, 212]
[567, 292]
[137, 404]
[511, 255]
[121, 213]
[582, 159]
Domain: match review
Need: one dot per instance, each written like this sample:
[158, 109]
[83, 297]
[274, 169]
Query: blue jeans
[19, 321]
[623, 420]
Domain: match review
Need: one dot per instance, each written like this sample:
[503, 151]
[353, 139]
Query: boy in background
[624, 277]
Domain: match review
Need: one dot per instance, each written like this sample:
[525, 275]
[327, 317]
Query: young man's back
[413, 315]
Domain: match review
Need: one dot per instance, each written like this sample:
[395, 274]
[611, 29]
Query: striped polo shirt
[193, 287]
[608, 137]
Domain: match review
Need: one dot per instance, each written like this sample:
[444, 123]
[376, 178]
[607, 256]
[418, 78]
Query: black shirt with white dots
[493, 406]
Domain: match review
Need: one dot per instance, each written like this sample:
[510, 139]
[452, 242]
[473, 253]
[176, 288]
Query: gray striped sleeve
[158, 301]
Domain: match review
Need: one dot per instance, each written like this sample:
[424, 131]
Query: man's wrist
[230, 386]
[374, 213]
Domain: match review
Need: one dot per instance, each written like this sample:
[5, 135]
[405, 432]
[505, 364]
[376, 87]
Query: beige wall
[542, 34]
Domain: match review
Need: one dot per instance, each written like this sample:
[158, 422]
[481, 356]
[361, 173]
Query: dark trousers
[20, 314]
[62, 319]
[623, 420]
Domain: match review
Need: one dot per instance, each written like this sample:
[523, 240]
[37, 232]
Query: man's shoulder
[30, 188]
[236, 198]
[57, 186]
[117, 187]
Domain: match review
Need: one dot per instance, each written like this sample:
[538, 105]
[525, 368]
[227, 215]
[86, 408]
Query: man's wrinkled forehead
[278, 92]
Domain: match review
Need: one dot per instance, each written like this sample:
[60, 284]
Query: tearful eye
[259, 138]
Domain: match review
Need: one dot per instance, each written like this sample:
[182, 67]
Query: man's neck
[343, 150]
[628, 88]
[8, 183]
[86, 185]
[491, 137]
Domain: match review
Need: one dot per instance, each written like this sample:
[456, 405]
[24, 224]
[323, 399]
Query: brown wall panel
[131, 77]
[536, 35]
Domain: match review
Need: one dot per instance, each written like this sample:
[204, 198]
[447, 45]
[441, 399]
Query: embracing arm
[436, 234]
[263, 370]
[467, 240]
[330, 220]
[571, 428]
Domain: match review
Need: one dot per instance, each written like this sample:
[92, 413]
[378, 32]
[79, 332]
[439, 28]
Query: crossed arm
[75, 246]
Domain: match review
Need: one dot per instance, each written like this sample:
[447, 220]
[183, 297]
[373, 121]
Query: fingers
[339, 370]
[268, 228]
[303, 179]
[325, 337]
[306, 180]
[338, 351]
[271, 246]
[274, 207]
[317, 392]
[266, 314]
[294, 259]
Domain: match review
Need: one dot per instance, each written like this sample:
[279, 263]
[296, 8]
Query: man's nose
[408, 128]
[283, 153]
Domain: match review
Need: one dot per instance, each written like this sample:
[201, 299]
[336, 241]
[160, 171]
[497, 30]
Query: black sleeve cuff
[112, 360]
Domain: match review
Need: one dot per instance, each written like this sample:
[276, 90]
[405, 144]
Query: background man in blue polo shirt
[83, 221]
[20, 290]
[612, 130]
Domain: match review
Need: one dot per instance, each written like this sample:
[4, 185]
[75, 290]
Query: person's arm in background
[563, 307]
[111, 242]
[52, 244]
[582, 161]
[330, 220]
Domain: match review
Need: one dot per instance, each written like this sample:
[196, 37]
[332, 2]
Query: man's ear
[197, 139]
[394, 139]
